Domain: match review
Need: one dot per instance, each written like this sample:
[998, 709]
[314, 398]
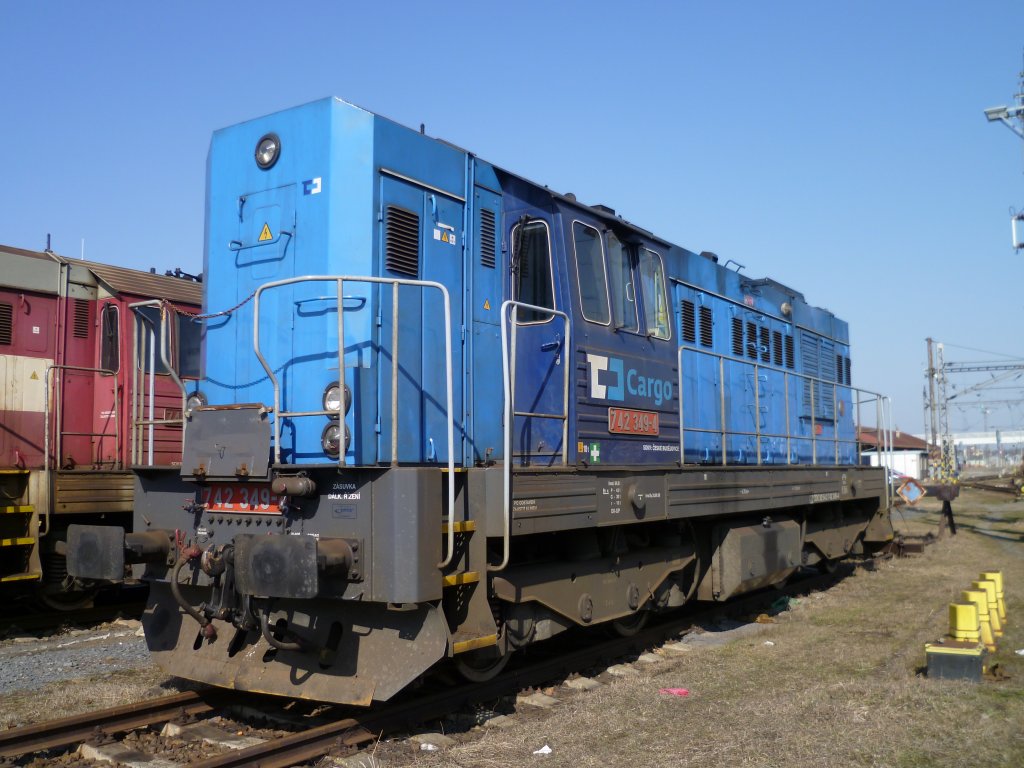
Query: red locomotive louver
[81, 329]
[6, 325]
[488, 247]
[402, 241]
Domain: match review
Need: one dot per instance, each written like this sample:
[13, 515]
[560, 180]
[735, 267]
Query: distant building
[909, 453]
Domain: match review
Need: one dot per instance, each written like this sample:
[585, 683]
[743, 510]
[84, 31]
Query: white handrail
[395, 283]
[508, 376]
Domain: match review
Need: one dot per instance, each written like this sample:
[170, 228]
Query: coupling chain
[196, 316]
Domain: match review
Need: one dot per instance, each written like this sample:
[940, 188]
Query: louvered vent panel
[766, 346]
[839, 368]
[752, 341]
[790, 358]
[6, 325]
[737, 337]
[688, 320]
[81, 330]
[777, 348]
[849, 378]
[705, 326]
[402, 248]
[488, 244]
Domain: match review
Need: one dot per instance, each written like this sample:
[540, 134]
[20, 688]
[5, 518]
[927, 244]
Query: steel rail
[68, 731]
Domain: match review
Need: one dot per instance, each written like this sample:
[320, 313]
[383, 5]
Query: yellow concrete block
[963, 622]
[997, 577]
[980, 599]
[989, 588]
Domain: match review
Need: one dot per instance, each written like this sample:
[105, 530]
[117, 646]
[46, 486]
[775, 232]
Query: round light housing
[334, 397]
[196, 400]
[268, 149]
[330, 439]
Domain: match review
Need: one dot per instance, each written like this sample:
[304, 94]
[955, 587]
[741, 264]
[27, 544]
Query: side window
[590, 273]
[189, 343]
[531, 270]
[652, 278]
[620, 279]
[147, 339]
[110, 339]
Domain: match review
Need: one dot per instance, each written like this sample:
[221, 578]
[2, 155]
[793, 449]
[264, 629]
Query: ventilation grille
[751, 341]
[705, 326]
[790, 358]
[6, 325]
[81, 319]
[839, 368]
[737, 337]
[402, 244]
[688, 321]
[777, 348]
[849, 378]
[766, 345]
[488, 248]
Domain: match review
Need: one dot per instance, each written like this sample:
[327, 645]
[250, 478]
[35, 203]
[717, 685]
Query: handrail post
[814, 424]
[757, 413]
[835, 419]
[679, 390]
[341, 370]
[721, 398]
[394, 374]
[789, 426]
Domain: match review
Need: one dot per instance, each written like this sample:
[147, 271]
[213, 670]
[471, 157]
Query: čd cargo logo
[610, 379]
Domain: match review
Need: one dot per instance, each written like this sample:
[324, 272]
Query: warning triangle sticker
[487, 303]
[265, 233]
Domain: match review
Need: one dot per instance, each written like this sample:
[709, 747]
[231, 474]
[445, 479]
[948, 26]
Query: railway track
[339, 729]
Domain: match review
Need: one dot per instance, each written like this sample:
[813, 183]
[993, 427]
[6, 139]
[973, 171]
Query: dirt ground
[837, 681]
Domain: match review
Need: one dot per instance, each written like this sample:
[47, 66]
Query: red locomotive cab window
[110, 339]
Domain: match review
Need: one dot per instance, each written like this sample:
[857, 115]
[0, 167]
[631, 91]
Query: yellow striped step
[458, 579]
[462, 646]
[464, 526]
[21, 541]
[18, 509]
[21, 577]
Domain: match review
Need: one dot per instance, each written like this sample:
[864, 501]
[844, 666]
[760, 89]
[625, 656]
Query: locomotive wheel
[630, 625]
[484, 664]
[60, 600]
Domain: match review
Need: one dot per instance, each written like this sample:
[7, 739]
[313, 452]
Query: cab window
[620, 282]
[652, 279]
[590, 273]
[532, 281]
[110, 339]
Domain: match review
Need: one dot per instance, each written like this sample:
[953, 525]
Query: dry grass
[83, 695]
[841, 686]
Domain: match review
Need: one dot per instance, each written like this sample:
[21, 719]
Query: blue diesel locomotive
[446, 412]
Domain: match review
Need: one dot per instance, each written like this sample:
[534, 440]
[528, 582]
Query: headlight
[267, 151]
[330, 438]
[333, 398]
[196, 400]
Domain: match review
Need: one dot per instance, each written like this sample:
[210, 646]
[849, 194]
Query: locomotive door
[538, 385]
[421, 239]
[264, 251]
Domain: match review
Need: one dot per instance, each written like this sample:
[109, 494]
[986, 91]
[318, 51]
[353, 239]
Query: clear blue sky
[838, 147]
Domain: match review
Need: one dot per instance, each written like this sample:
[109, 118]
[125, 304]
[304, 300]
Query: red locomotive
[91, 359]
